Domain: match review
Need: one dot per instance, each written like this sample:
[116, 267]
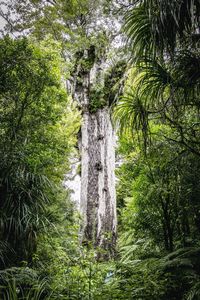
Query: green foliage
[157, 194]
[156, 27]
[97, 99]
[175, 276]
[22, 283]
[166, 85]
[113, 80]
[101, 96]
[35, 132]
[72, 270]
[158, 189]
[43, 18]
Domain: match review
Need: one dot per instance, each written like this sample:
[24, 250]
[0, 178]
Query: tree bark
[98, 201]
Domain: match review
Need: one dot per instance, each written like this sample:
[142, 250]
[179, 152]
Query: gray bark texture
[97, 148]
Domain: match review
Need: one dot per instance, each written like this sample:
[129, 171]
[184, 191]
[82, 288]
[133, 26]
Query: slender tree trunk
[167, 226]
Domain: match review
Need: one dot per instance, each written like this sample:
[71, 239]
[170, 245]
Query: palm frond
[155, 26]
[194, 292]
[187, 69]
[153, 83]
[131, 113]
[138, 29]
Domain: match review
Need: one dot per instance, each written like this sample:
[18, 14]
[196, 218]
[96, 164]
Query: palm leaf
[155, 26]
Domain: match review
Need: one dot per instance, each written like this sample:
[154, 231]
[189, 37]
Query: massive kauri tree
[98, 203]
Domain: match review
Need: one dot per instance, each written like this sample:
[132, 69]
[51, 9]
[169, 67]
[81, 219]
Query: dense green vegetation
[158, 190]
[158, 186]
[37, 135]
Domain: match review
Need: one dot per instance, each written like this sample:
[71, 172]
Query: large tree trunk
[98, 198]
